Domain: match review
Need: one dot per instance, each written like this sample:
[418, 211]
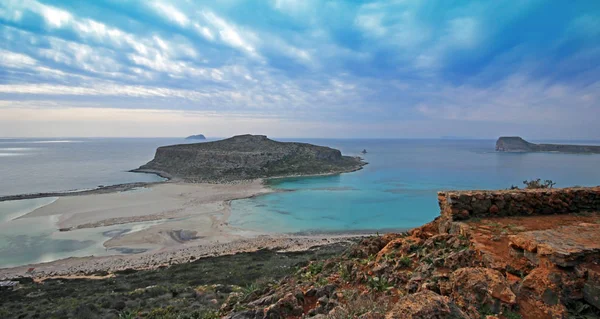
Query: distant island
[196, 137]
[246, 157]
[517, 144]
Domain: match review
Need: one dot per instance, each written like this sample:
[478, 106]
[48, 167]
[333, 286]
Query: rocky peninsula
[518, 144]
[246, 157]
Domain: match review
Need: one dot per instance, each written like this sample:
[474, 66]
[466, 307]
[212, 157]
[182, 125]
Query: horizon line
[299, 137]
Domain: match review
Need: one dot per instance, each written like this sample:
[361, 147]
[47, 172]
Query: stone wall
[461, 205]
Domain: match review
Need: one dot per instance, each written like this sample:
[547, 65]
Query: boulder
[477, 287]
[540, 295]
[371, 315]
[248, 314]
[370, 246]
[459, 259]
[425, 305]
[591, 288]
[284, 307]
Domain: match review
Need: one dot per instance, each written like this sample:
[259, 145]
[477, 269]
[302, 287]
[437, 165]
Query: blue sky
[300, 68]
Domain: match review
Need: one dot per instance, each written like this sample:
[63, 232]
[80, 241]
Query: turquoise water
[37, 239]
[398, 189]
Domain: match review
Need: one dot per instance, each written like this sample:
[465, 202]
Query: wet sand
[159, 201]
[192, 211]
[193, 223]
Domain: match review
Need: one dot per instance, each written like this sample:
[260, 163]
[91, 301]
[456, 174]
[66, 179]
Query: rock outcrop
[196, 137]
[564, 246]
[517, 144]
[247, 157]
[425, 304]
[529, 264]
[478, 287]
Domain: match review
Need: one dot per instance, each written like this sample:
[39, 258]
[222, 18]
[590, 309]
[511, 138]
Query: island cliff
[196, 137]
[247, 157]
[517, 144]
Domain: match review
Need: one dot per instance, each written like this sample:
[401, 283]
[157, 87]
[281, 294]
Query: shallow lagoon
[398, 189]
[37, 239]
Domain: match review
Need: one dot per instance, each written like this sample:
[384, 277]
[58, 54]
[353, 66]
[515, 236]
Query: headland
[517, 144]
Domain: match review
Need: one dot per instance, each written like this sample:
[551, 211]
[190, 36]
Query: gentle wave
[13, 209]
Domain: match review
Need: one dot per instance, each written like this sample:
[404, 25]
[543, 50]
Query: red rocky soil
[530, 267]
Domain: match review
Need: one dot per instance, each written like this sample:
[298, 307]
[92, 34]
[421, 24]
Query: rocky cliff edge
[518, 144]
[531, 264]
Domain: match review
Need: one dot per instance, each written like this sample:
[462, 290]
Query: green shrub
[485, 311]
[511, 315]
[315, 268]
[405, 261]
[209, 314]
[127, 314]
[379, 284]
[536, 184]
[344, 272]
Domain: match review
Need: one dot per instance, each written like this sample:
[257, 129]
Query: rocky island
[196, 137]
[517, 144]
[246, 157]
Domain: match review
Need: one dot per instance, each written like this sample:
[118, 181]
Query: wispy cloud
[231, 35]
[379, 66]
[171, 13]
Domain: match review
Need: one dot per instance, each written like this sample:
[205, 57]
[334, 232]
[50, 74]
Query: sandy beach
[154, 202]
[190, 212]
[191, 222]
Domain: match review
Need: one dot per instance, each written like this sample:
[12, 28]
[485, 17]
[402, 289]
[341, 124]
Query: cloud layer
[300, 68]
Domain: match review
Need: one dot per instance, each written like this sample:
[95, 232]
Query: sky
[300, 68]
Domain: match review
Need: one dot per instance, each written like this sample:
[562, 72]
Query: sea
[395, 191]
